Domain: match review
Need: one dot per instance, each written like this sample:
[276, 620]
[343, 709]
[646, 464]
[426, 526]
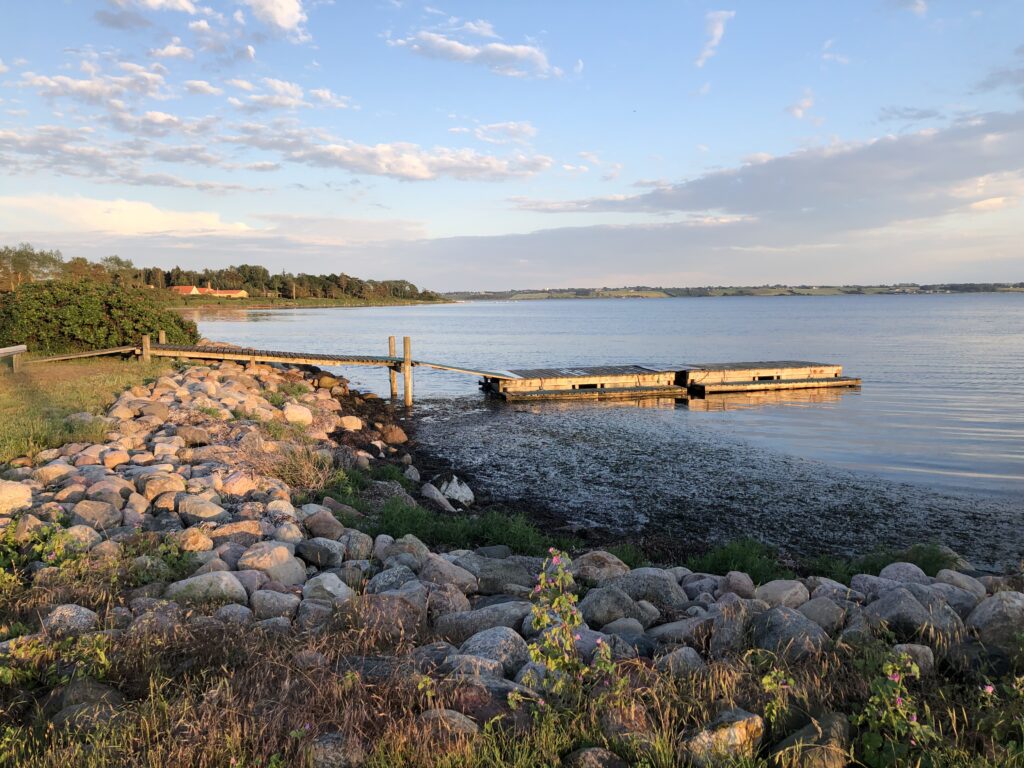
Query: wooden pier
[694, 380]
[609, 382]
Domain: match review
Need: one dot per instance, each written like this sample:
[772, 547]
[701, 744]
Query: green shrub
[757, 560]
[930, 558]
[62, 316]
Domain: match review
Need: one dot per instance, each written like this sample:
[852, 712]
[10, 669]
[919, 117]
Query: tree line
[23, 264]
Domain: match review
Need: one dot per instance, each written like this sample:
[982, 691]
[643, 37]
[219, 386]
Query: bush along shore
[248, 570]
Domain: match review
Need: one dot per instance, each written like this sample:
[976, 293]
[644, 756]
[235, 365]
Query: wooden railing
[15, 354]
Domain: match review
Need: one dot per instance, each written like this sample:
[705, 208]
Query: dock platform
[692, 380]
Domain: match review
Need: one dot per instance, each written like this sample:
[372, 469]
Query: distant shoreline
[643, 292]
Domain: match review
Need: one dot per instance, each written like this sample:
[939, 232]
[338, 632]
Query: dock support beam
[393, 370]
[407, 369]
[146, 357]
[161, 337]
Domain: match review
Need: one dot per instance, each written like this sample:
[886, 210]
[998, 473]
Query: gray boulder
[905, 573]
[787, 632]
[321, 552]
[69, 620]
[998, 621]
[266, 604]
[459, 627]
[500, 644]
[604, 605]
[788, 593]
[216, 587]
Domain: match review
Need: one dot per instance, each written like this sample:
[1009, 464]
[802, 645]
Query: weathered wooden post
[162, 337]
[16, 362]
[146, 357]
[407, 369]
[393, 368]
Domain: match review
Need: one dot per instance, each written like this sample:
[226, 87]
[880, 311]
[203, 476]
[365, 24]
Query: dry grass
[35, 402]
[301, 466]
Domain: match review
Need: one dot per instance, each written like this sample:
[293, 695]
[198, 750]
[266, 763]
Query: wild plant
[893, 732]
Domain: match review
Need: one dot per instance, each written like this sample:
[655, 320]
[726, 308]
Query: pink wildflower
[599, 641]
[899, 701]
[989, 689]
[556, 560]
[912, 718]
[895, 677]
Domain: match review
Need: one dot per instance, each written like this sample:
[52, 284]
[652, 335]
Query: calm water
[932, 446]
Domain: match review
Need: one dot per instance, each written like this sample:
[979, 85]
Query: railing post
[162, 337]
[393, 369]
[146, 357]
[16, 363]
[407, 369]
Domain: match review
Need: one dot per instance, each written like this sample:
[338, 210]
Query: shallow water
[932, 446]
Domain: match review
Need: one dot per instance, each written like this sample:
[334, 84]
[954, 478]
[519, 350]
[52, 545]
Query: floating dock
[637, 381]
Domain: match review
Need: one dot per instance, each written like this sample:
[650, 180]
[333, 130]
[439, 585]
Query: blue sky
[521, 144]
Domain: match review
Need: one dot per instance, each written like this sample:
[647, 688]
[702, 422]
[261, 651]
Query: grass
[930, 558]
[757, 560]
[460, 531]
[35, 402]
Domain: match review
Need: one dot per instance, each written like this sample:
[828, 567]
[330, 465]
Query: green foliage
[630, 554]
[893, 733]
[64, 316]
[459, 531]
[930, 558]
[757, 560]
[34, 661]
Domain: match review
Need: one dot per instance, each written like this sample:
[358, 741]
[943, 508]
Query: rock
[290, 533]
[960, 600]
[963, 581]
[454, 489]
[824, 743]
[244, 533]
[52, 472]
[193, 436]
[269, 605]
[313, 614]
[193, 540]
[81, 538]
[998, 621]
[467, 664]
[98, 515]
[327, 586]
[785, 592]
[392, 434]
[297, 414]
[486, 698]
[323, 524]
[275, 560]
[14, 497]
[443, 599]
[69, 620]
[389, 579]
[389, 618]
[592, 568]
[906, 573]
[195, 510]
[321, 552]
[623, 627]
[156, 483]
[654, 585]
[213, 588]
[408, 544]
[908, 619]
[680, 662]
[593, 757]
[497, 577]
[444, 724]
[234, 614]
[337, 750]
[239, 483]
[692, 631]
[437, 570]
[358, 545]
[921, 655]
[737, 583]
[436, 498]
[787, 632]
[732, 736]
[826, 613]
[459, 627]
[500, 644]
[872, 587]
[351, 423]
[604, 605]
[28, 527]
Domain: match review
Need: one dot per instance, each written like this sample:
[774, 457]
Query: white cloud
[800, 109]
[120, 217]
[714, 23]
[202, 26]
[519, 132]
[202, 87]
[185, 6]
[504, 59]
[480, 28]
[173, 50]
[244, 85]
[400, 160]
[328, 98]
[918, 7]
[284, 15]
[578, 67]
[828, 53]
[239, 17]
[100, 89]
[278, 94]
[3, 67]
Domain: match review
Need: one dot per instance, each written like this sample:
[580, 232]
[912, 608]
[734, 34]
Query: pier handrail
[15, 354]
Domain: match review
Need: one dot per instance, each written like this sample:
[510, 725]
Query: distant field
[35, 402]
[279, 303]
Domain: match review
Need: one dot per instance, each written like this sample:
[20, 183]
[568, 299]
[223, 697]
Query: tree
[24, 264]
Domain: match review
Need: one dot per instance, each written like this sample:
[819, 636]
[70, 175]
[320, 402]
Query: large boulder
[905, 573]
[327, 586]
[604, 605]
[321, 552]
[297, 414]
[733, 736]
[69, 620]
[217, 587]
[824, 743]
[275, 560]
[14, 497]
[437, 570]
[458, 627]
[388, 619]
[785, 592]
[787, 632]
[999, 621]
[195, 510]
[962, 581]
[904, 614]
[597, 567]
[267, 604]
[656, 586]
[500, 644]
[98, 515]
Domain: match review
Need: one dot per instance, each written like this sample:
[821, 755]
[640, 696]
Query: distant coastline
[647, 292]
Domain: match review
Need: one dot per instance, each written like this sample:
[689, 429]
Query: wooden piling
[16, 363]
[146, 357]
[393, 370]
[407, 369]
[162, 337]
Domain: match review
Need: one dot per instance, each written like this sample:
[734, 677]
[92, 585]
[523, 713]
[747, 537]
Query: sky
[496, 145]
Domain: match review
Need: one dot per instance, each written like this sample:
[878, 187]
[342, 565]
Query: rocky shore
[186, 496]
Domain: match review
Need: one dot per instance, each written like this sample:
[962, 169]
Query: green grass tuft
[757, 560]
